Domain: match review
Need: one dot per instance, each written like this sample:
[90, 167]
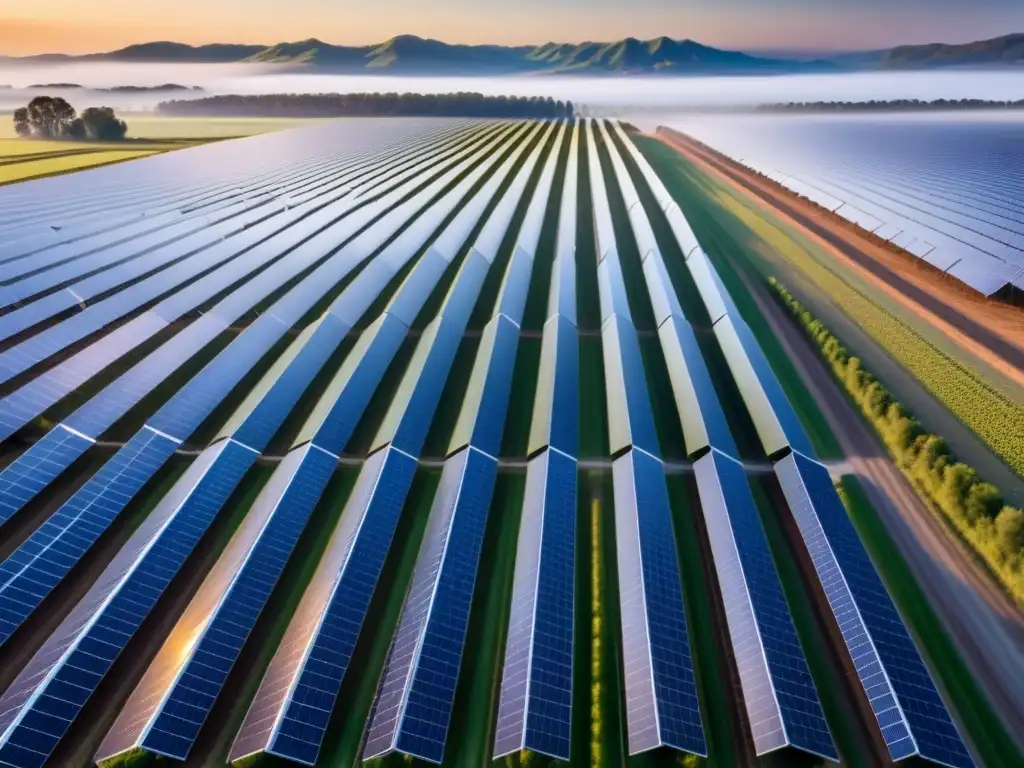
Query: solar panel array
[948, 192]
[216, 308]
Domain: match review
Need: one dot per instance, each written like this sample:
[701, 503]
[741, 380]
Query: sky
[80, 26]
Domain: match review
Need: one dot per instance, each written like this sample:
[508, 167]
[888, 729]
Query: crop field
[407, 442]
[22, 159]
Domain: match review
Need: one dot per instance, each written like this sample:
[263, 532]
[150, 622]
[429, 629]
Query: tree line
[891, 105]
[370, 105]
[51, 117]
[993, 529]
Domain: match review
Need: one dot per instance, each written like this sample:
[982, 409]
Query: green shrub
[993, 529]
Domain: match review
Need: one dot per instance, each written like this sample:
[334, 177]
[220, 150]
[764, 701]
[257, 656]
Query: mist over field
[611, 94]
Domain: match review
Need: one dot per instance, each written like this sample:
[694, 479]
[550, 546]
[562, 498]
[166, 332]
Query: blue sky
[88, 25]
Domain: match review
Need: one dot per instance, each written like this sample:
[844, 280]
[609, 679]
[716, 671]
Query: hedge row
[992, 528]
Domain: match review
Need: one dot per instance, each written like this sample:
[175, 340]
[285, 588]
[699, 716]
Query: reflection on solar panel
[289, 715]
[776, 422]
[703, 421]
[662, 709]
[414, 701]
[911, 715]
[781, 702]
[51, 691]
[535, 710]
[335, 282]
[942, 190]
[201, 395]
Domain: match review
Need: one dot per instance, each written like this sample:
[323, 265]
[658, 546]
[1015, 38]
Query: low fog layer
[611, 94]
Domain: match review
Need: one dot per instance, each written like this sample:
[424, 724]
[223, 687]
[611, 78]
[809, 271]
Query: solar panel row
[535, 700]
[662, 709]
[41, 464]
[164, 715]
[258, 422]
[902, 696]
[289, 714]
[700, 411]
[373, 213]
[782, 705]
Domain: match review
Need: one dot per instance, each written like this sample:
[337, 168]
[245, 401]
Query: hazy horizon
[69, 26]
[630, 94]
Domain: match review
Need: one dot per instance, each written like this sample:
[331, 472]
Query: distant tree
[22, 125]
[76, 130]
[50, 117]
[370, 104]
[101, 124]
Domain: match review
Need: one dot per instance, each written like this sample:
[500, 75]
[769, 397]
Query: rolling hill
[409, 54]
[1000, 51]
[412, 55]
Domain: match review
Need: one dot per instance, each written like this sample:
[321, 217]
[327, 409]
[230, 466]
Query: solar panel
[33, 470]
[909, 711]
[413, 706]
[662, 709]
[481, 419]
[630, 418]
[51, 691]
[562, 296]
[170, 705]
[777, 424]
[556, 405]
[288, 716]
[700, 411]
[782, 704]
[611, 287]
[535, 703]
[917, 189]
[30, 572]
[716, 298]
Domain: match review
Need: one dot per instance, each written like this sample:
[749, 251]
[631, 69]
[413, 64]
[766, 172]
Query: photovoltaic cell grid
[781, 702]
[197, 399]
[56, 687]
[414, 702]
[278, 724]
[911, 715]
[535, 709]
[170, 718]
[703, 421]
[662, 709]
[279, 384]
[926, 187]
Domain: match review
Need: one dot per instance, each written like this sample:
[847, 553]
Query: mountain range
[409, 54]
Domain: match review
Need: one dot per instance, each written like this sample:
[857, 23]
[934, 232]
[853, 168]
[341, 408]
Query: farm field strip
[382, 310]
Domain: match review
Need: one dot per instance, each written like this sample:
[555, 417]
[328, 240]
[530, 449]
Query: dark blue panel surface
[29, 574]
[263, 421]
[340, 422]
[189, 701]
[74, 676]
[675, 689]
[304, 721]
[490, 419]
[903, 668]
[36, 468]
[415, 421]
